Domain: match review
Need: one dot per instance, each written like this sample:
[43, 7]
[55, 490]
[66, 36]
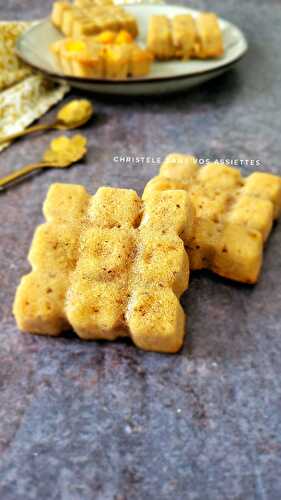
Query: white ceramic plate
[170, 76]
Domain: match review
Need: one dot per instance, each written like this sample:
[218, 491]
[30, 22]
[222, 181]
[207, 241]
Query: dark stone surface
[105, 421]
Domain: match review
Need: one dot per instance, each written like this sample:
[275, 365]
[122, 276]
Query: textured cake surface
[185, 37]
[89, 20]
[39, 303]
[234, 214]
[109, 265]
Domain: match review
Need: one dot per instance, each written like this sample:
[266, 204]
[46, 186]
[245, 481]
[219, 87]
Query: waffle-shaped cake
[89, 20]
[92, 58]
[109, 265]
[183, 37]
[39, 304]
[234, 214]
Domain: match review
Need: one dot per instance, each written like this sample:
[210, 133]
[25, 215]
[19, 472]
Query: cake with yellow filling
[89, 58]
[79, 58]
[76, 22]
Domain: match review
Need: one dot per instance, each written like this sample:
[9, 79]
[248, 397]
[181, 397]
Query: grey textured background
[104, 421]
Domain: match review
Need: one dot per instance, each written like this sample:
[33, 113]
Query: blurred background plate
[33, 48]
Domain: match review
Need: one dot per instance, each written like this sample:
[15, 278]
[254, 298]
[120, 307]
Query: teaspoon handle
[22, 172]
[27, 131]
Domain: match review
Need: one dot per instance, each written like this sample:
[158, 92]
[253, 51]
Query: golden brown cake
[209, 38]
[109, 265]
[80, 58]
[182, 37]
[87, 21]
[89, 59]
[159, 38]
[234, 214]
[39, 303]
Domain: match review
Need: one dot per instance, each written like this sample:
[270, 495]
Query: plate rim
[131, 81]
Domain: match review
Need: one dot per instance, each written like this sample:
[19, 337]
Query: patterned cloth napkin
[24, 94]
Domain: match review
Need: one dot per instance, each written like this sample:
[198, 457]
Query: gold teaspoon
[61, 153]
[73, 115]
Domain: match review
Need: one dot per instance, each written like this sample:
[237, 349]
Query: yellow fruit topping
[106, 37]
[123, 37]
[75, 46]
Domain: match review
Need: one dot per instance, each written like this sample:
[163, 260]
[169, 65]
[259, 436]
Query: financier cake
[75, 22]
[234, 214]
[97, 58]
[185, 36]
[109, 265]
